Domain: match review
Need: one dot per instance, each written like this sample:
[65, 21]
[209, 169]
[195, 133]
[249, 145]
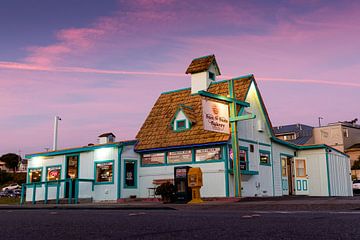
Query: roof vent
[106, 138]
[203, 71]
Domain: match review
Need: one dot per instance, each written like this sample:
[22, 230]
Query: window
[300, 168]
[208, 154]
[130, 174]
[212, 76]
[104, 172]
[179, 156]
[35, 175]
[264, 158]
[243, 159]
[346, 132]
[153, 158]
[53, 173]
[180, 124]
[283, 166]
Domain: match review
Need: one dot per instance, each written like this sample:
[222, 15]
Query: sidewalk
[297, 203]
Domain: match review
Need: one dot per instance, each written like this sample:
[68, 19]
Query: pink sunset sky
[100, 65]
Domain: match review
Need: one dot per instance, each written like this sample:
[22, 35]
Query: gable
[156, 132]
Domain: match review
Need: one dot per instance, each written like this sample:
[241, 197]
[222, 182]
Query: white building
[173, 134]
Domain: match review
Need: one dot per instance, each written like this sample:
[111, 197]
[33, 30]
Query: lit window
[208, 154]
[35, 175]
[179, 156]
[104, 172]
[153, 158]
[53, 173]
[264, 158]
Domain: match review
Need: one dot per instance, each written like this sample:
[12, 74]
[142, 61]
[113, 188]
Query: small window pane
[54, 173]
[179, 156]
[35, 175]
[153, 158]
[283, 166]
[104, 172]
[300, 168]
[264, 158]
[207, 154]
[242, 155]
[180, 124]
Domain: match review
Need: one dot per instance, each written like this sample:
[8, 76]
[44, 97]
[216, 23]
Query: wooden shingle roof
[202, 64]
[156, 132]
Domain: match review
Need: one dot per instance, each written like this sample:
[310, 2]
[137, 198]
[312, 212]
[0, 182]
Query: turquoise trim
[328, 172]
[267, 153]
[298, 185]
[120, 149]
[95, 173]
[272, 170]
[135, 173]
[254, 142]
[28, 176]
[249, 172]
[72, 151]
[226, 166]
[52, 183]
[223, 98]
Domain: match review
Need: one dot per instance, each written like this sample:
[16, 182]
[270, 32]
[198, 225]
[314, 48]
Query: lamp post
[56, 125]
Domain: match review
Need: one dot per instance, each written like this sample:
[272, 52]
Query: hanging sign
[215, 116]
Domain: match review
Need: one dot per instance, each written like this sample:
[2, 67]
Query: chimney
[203, 72]
[106, 138]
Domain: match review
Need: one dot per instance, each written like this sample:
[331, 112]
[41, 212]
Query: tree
[11, 160]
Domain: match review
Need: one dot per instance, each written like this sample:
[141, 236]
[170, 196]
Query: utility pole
[234, 118]
[56, 125]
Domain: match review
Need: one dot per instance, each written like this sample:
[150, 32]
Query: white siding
[213, 178]
[340, 174]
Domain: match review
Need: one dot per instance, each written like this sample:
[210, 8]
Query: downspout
[327, 170]
[120, 149]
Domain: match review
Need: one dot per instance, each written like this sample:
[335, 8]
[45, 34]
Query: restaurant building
[195, 127]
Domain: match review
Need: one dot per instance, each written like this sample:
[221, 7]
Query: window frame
[135, 174]
[296, 168]
[47, 173]
[37, 184]
[246, 150]
[95, 171]
[212, 76]
[264, 152]
[177, 163]
[153, 164]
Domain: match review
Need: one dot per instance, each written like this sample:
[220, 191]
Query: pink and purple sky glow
[101, 65]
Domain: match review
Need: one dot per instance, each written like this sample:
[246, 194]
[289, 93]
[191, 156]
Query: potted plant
[166, 191]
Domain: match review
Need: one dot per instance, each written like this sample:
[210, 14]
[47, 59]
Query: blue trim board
[120, 149]
[328, 173]
[254, 142]
[226, 166]
[180, 147]
[272, 170]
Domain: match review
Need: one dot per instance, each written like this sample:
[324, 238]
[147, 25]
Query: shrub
[166, 191]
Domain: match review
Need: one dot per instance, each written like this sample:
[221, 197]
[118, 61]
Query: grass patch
[12, 201]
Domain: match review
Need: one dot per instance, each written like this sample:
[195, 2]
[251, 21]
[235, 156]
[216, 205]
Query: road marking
[246, 216]
[137, 214]
[308, 212]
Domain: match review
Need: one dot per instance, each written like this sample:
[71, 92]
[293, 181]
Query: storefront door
[300, 177]
[286, 175]
[72, 172]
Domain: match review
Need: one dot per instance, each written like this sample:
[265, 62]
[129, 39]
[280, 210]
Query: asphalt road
[177, 224]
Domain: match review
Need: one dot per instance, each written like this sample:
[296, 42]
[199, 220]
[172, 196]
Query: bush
[166, 191]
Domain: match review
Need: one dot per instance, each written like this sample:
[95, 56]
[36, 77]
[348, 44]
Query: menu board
[153, 158]
[54, 173]
[179, 156]
[207, 154]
